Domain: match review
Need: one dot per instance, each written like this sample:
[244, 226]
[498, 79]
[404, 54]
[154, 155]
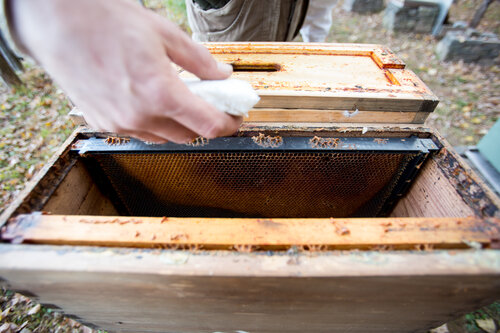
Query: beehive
[287, 226]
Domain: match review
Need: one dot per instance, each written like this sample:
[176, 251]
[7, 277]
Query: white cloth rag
[232, 96]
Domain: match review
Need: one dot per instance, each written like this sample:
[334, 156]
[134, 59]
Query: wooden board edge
[360, 99]
[291, 48]
[386, 59]
[248, 234]
[271, 115]
[381, 55]
[73, 259]
[468, 184]
[77, 117]
[420, 117]
[330, 116]
[334, 129]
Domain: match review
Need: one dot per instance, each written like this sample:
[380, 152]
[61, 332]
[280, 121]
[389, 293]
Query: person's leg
[318, 20]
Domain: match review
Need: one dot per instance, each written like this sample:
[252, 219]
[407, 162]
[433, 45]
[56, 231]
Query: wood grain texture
[382, 55]
[448, 185]
[326, 76]
[432, 195]
[329, 116]
[134, 290]
[335, 129]
[78, 195]
[77, 117]
[319, 116]
[248, 234]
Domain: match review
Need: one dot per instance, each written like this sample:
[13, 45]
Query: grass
[33, 125]
[21, 314]
[174, 10]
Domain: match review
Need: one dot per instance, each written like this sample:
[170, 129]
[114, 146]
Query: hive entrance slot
[256, 67]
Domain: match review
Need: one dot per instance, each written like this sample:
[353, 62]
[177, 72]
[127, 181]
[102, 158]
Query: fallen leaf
[466, 109]
[34, 310]
[487, 324]
[5, 328]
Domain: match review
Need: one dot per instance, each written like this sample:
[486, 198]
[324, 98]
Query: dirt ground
[34, 123]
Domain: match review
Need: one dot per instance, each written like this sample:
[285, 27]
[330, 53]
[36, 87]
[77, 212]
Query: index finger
[193, 112]
[188, 54]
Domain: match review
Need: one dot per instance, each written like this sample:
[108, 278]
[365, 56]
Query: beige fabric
[247, 20]
[318, 21]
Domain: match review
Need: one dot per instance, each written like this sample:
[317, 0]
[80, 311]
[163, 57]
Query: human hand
[114, 60]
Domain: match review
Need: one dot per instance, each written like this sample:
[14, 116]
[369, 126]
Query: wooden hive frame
[314, 82]
[415, 265]
[329, 83]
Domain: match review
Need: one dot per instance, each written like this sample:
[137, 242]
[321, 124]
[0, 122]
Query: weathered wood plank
[329, 116]
[79, 195]
[383, 56]
[248, 234]
[432, 195]
[326, 77]
[139, 290]
[316, 116]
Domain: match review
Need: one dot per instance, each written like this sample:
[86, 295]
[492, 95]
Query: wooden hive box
[305, 225]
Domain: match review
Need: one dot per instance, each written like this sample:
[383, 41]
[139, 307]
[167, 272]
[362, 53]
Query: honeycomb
[253, 183]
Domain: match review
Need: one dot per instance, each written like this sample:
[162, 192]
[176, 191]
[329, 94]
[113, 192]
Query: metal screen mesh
[253, 184]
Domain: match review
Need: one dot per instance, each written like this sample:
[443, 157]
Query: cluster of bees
[115, 140]
[267, 140]
[317, 142]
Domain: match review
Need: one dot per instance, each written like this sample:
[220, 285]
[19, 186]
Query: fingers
[170, 130]
[148, 137]
[174, 114]
[190, 110]
[162, 108]
[157, 129]
[190, 55]
[194, 113]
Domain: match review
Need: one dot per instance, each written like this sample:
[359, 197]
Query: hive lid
[311, 82]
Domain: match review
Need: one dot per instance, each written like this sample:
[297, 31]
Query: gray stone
[489, 35]
[363, 6]
[410, 16]
[457, 26]
[460, 25]
[468, 46]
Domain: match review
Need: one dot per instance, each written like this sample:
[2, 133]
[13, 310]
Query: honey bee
[115, 140]
[380, 141]
[198, 142]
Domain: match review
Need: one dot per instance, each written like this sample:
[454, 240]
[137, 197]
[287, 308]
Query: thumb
[188, 54]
